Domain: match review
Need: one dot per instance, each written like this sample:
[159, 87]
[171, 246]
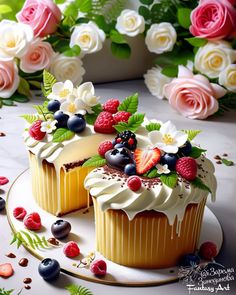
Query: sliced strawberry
[146, 159]
[6, 270]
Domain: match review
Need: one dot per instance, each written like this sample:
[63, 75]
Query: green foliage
[197, 182]
[196, 152]
[152, 173]
[74, 51]
[153, 126]
[183, 15]
[5, 9]
[192, 133]
[116, 37]
[78, 290]
[30, 118]
[48, 81]
[196, 42]
[24, 87]
[91, 118]
[130, 104]
[5, 292]
[95, 161]
[227, 162]
[169, 179]
[62, 134]
[120, 50]
[170, 71]
[111, 9]
[145, 12]
[9, 8]
[146, 2]
[29, 239]
[134, 122]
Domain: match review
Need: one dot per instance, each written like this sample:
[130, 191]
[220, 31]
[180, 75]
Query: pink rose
[193, 95]
[213, 19]
[9, 78]
[42, 15]
[38, 57]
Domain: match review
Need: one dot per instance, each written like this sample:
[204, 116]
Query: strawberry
[146, 159]
[104, 123]
[104, 147]
[111, 105]
[187, 168]
[6, 270]
[122, 117]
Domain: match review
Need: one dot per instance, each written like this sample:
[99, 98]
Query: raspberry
[134, 183]
[187, 168]
[122, 117]
[99, 267]
[71, 249]
[104, 147]
[32, 221]
[111, 105]
[104, 123]
[208, 250]
[19, 213]
[35, 132]
[3, 180]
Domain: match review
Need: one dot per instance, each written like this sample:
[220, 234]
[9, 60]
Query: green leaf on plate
[120, 50]
[130, 104]
[196, 152]
[183, 15]
[153, 126]
[227, 162]
[62, 134]
[192, 133]
[134, 122]
[169, 179]
[95, 161]
[196, 42]
[197, 182]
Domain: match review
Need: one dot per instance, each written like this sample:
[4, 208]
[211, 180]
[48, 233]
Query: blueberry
[53, 105]
[76, 123]
[186, 149]
[61, 119]
[119, 158]
[190, 259]
[119, 145]
[130, 169]
[49, 269]
[2, 204]
[60, 229]
[170, 160]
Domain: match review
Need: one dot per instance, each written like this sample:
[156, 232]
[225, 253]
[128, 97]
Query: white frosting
[111, 192]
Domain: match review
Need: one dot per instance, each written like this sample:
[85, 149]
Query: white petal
[172, 149]
[180, 137]
[85, 87]
[155, 137]
[184, 72]
[57, 87]
[168, 127]
[69, 85]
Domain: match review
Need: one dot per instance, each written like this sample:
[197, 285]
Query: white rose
[212, 58]
[161, 38]
[15, 38]
[130, 23]
[67, 68]
[155, 81]
[88, 36]
[227, 77]
[9, 78]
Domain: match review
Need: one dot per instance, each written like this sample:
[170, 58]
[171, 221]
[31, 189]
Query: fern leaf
[44, 241]
[48, 81]
[30, 240]
[78, 290]
[37, 241]
[31, 118]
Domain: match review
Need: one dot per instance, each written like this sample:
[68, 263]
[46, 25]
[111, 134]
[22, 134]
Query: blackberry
[128, 139]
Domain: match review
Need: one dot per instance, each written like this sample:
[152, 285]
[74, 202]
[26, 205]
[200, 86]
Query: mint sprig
[192, 133]
[130, 104]
[197, 182]
[170, 179]
[95, 161]
[62, 134]
[153, 126]
[196, 152]
[134, 122]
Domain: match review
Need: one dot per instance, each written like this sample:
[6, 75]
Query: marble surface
[218, 136]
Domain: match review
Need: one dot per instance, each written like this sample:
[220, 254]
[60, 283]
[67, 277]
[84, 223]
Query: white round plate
[83, 232]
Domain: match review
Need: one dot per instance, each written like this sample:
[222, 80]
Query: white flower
[212, 58]
[48, 126]
[155, 81]
[161, 38]
[67, 68]
[227, 77]
[168, 139]
[162, 169]
[14, 40]
[73, 105]
[88, 36]
[61, 91]
[130, 23]
[86, 93]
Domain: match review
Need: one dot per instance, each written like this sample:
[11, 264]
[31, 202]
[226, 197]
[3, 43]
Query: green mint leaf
[170, 71]
[5, 292]
[95, 161]
[31, 118]
[196, 42]
[192, 133]
[227, 162]
[116, 37]
[78, 290]
[152, 173]
[169, 179]
[183, 15]
[91, 118]
[134, 122]
[48, 81]
[120, 50]
[62, 134]
[196, 152]
[130, 104]
[153, 126]
[197, 182]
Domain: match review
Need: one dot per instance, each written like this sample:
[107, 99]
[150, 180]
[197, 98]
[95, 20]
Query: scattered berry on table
[111, 105]
[128, 139]
[130, 169]
[76, 123]
[121, 117]
[187, 168]
[35, 132]
[170, 160]
[134, 183]
[3, 180]
[6, 270]
[208, 250]
[146, 159]
[49, 269]
[104, 123]
[2, 204]
[98, 267]
[53, 105]
[61, 119]
[19, 213]
[32, 221]
[104, 147]
[60, 229]
[71, 249]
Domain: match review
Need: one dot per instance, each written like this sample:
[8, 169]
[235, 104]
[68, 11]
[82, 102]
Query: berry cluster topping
[126, 139]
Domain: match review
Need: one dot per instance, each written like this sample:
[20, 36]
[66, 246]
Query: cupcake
[149, 198]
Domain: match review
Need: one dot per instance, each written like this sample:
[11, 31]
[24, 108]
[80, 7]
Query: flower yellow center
[64, 93]
[232, 78]
[130, 22]
[11, 43]
[72, 108]
[85, 39]
[216, 61]
[167, 139]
